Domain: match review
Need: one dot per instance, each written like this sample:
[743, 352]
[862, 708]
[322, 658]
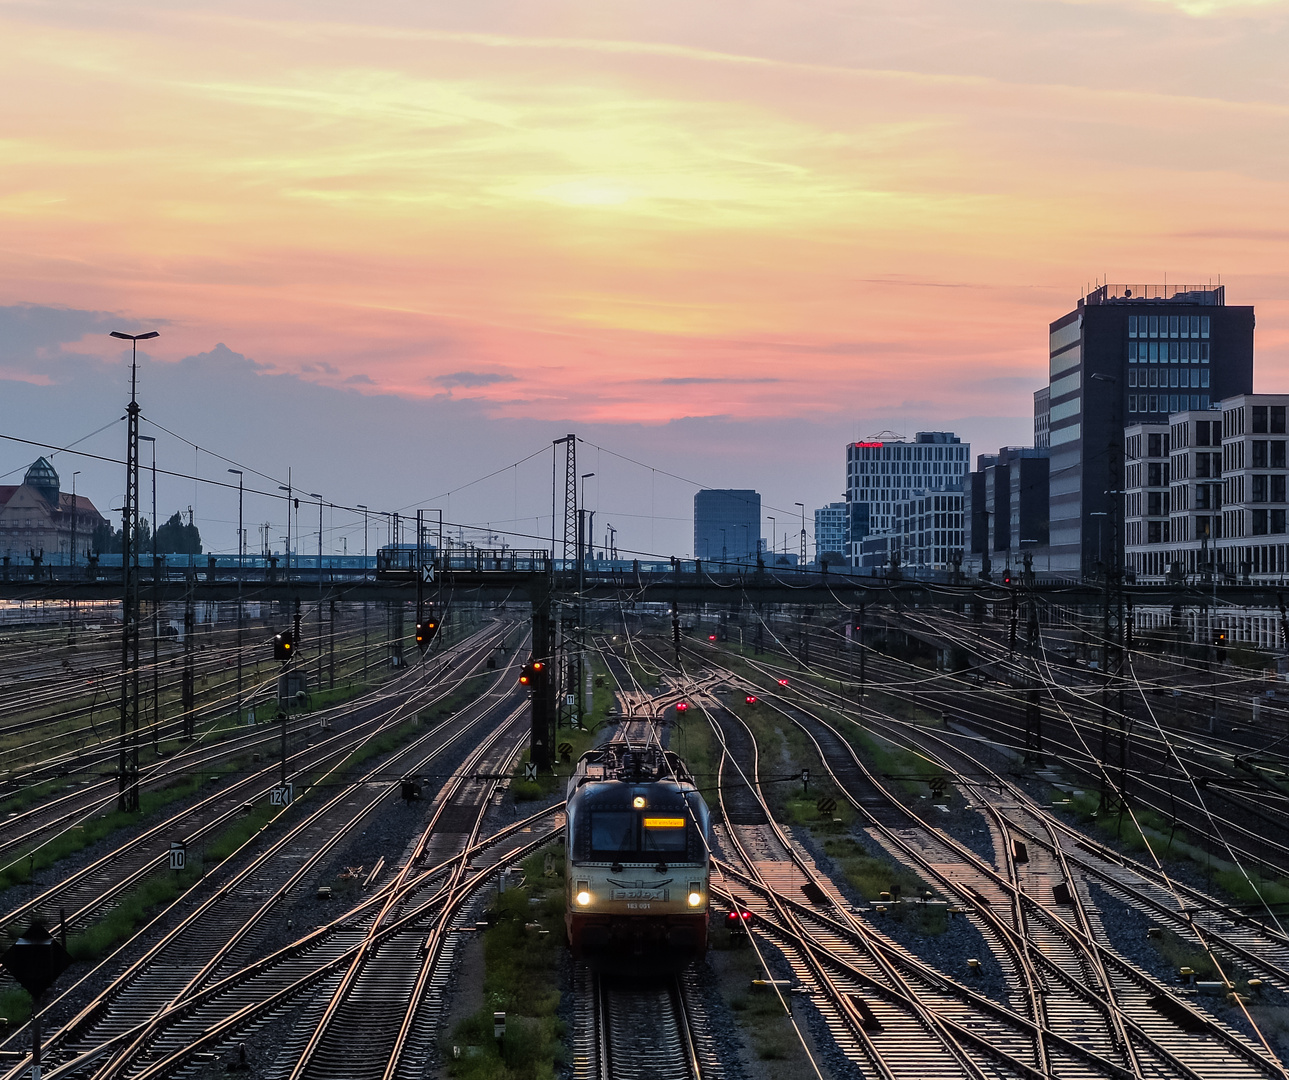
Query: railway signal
[425, 631]
[736, 923]
[711, 637]
[532, 669]
[283, 645]
[783, 682]
[35, 960]
[750, 699]
[682, 706]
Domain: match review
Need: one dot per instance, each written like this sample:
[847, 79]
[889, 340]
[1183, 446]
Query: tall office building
[881, 474]
[830, 530]
[1129, 355]
[727, 524]
[1042, 418]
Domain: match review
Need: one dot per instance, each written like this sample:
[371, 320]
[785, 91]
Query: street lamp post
[290, 501]
[241, 572]
[364, 510]
[315, 495]
[128, 769]
[156, 592]
[71, 604]
[581, 609]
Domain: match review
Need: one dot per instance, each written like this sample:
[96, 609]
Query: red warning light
[711, 637]
[751, 699]
[783, 682]
[682, 706]
[738, 916]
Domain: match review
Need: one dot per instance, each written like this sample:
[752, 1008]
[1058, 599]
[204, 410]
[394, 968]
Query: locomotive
[637, 859]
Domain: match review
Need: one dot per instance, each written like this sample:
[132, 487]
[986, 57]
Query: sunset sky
[730, 236]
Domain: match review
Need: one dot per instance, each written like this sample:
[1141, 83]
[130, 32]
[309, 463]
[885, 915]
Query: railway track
[32, 826]
[88, 892]
[238, 908]
[1060, 962]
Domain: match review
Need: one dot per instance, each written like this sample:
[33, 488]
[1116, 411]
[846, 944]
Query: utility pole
[71, 604]
[364, 510]
[241, 572]
[1113, 791]
[315, 495]
[128, 765]
[156, 598]
[801, 564]
[188, 692]
[290, 501]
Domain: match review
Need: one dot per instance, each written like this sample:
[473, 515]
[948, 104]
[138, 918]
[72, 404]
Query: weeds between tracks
[522, 947]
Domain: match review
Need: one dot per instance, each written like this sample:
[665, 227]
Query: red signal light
[738, 916]
[682, 706]
[751, 699]
[711, 637]
[783, 682]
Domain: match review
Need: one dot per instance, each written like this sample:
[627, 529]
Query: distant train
[637, 859]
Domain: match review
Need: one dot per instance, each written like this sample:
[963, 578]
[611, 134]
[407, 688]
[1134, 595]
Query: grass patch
[520, 978]
[15, 1006]
[872, 875]
[759, 1011]
[79, 837]
[578, 741]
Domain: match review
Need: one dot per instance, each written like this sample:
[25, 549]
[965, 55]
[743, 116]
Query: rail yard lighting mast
[581, 607]
[364, 510]
[290, 501]
[241, 572]
[315, 495]
[128, 766]
[156, 597]
[803, 534]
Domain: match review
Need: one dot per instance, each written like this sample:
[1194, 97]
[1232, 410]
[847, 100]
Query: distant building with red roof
[36, 517]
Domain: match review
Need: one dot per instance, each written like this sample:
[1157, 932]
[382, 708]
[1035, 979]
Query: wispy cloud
[474, 378]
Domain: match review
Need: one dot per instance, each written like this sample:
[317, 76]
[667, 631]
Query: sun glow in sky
[636, 212]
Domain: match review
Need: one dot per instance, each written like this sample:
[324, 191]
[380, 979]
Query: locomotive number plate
[638, 894]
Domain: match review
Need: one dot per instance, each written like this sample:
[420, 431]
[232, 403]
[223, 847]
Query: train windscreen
[613, 830]
[663, 834]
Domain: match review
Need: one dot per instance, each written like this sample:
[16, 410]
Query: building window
[1132, 403]
[1277, 419]
[1203, 326]
[1277, 521]
[1153, 403]
[1259, 419]
[1203, 353]
[1172, 326]
[1259, 454]
[1277, 492]
[1259, 523]
[1258, 490]
[1154, 326]
[1132, 325]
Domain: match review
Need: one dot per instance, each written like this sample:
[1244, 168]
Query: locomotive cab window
[613, 830]
[664, 834]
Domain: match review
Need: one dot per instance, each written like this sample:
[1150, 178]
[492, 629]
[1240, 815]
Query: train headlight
[695, 899]
[583, 894]
[584, 898]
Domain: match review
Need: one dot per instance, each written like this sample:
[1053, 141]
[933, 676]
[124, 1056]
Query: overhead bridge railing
[405, 561]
